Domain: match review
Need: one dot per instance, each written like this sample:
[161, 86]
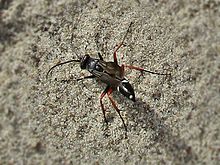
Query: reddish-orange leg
[102, 106]
[108, 90]
[129, 66]
[115, 106]
[119, 46]
[143, 70]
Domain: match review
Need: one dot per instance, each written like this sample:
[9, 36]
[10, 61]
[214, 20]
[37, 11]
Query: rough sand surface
[59, 121]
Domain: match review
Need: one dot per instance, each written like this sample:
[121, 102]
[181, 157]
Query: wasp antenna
[59, 65]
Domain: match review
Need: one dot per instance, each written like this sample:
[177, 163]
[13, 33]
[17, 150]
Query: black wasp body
[110, 73]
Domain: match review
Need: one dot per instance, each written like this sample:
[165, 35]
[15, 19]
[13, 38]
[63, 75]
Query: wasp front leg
[78, 79]
[87, 77]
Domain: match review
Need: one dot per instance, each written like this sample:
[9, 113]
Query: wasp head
[126, 89]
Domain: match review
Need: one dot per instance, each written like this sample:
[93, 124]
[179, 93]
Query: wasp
[110, 73]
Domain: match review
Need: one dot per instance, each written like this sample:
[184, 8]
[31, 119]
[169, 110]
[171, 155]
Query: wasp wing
[108, 72]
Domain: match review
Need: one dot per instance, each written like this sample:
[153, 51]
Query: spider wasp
[110, 73]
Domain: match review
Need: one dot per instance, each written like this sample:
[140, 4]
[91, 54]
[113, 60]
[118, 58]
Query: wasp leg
[87, 77]
[116, 108]
[100, 56]
[78, 79]
[143, 70]
[115, 53]
[119, 46]
[102, 106]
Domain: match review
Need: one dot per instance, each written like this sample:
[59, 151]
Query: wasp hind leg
[102, 106]
[143, 70]
[117, 110]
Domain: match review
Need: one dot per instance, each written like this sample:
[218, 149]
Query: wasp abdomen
[126, 89]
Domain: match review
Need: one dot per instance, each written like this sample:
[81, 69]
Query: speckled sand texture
[59, 120]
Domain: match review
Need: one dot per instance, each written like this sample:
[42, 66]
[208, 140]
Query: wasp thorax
[84, 61]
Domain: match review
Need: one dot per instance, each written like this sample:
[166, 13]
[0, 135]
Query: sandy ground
[59, 121]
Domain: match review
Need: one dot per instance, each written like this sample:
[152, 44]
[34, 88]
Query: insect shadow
[146, 117]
